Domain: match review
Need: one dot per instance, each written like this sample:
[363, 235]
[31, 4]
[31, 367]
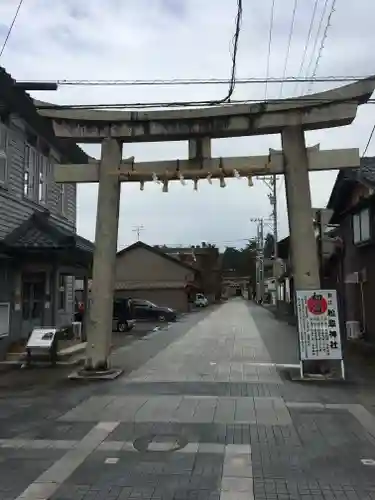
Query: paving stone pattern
[199, 409]
[213, 353]
[208, 417]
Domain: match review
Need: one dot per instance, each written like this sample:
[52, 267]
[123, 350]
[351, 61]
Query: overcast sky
[148, 39]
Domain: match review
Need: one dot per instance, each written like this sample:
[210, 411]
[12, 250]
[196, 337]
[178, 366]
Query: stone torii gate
[290, 118]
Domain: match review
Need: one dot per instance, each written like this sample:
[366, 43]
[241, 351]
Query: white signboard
[318, 324]
[41, 338]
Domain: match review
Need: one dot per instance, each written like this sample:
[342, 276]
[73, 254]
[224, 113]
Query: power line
[317, 36]
[307, 43]
[236, 37]
[232, 83]
[324, 37]
[289, 43]
[269, 47]
[369, 141]
[361, 176]
[153, 105]
[11, 27]
[226, 99]
[199, 81]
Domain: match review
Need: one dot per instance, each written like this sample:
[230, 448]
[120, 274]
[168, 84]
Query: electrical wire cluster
[289, 44]
[216, 102]
[269, 47]
[198, 81]
[158, 105]
[306, 45]
[324, 38]
[309, 74]
[235, 41]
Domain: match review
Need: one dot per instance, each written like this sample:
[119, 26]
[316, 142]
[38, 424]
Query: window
[63, 199]
[3, 154]
[31, 138]
[44, 148]
[4, 319]
[361, 226]
[62, 293]
[35, 176]
[31, 173]
[43, 179]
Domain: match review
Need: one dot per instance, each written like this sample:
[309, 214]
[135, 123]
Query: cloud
[127, 39]
[175, 8]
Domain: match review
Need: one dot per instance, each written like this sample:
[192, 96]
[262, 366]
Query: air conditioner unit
[77, 329]
[352, 278]
[353, 330]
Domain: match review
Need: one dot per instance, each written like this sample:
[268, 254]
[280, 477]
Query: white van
[200, 300]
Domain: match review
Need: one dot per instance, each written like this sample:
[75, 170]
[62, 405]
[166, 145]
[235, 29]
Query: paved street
[205, 410]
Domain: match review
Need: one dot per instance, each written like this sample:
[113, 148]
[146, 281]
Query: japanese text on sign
[318, 324]
[41, 338]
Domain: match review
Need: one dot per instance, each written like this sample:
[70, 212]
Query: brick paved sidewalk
[210, 416]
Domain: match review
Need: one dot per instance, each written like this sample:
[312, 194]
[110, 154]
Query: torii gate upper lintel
[332, 108]
[290, 118]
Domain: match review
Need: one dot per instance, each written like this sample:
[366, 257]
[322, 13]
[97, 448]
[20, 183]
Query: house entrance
[33, 294]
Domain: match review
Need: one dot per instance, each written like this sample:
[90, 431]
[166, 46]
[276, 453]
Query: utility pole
[273, 200]
[271, 183]
[259, 258]
[137, 230]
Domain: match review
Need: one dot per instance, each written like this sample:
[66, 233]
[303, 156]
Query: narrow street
[205, 410]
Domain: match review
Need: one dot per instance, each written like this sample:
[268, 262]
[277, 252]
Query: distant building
[206, 258]
[148, 273]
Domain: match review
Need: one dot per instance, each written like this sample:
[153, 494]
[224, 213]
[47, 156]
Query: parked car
[200, 300]
[123, 319]
[146, 310]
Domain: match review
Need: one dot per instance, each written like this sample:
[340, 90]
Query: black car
[146, 310]
[123, 315]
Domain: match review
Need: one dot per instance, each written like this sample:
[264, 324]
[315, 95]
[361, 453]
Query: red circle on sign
[317, 305]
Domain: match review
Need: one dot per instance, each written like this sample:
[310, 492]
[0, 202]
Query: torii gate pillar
[304, 253]
[104, 267]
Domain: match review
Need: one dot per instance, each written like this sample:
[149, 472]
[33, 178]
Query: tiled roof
[83, 244]
[35, 238]
[346, 181]
[367, 170]
[157, 251]
[38, 232]
[364, 173]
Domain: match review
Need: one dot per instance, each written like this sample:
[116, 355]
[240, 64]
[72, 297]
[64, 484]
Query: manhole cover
[166, 446]
[156, 443]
